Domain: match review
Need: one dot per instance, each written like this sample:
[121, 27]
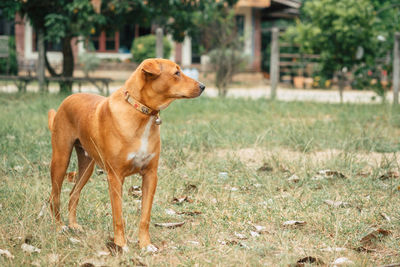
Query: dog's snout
[202, 87]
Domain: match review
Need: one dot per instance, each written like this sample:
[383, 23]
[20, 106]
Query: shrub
[12, 63]
[145, 47]
[89, 62]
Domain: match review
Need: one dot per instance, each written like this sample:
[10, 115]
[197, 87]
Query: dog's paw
[62, 229]
[76, 227]
[150, 249]
[125, 249]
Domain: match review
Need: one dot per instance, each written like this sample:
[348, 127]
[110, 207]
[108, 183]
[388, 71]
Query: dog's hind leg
[59, 164]
[85, 170]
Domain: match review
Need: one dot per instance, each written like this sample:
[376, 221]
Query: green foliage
[89, 62]
[145, 47]
[226, 56]
[337, 30]
[10, 65]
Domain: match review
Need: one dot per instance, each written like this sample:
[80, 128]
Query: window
[105, 42]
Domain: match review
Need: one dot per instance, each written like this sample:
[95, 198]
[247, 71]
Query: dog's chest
[141, 157]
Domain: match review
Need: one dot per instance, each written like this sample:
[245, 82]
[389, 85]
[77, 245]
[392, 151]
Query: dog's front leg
[149, 183]
[115, 190]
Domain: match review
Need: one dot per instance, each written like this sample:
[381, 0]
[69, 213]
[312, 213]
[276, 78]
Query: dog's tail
[51, 114]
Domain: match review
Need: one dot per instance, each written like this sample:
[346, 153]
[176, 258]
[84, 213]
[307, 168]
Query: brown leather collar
[139, 106]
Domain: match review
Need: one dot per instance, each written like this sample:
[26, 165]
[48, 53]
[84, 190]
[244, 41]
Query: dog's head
[157, 82]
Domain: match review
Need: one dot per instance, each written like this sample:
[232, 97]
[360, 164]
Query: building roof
[253, 3]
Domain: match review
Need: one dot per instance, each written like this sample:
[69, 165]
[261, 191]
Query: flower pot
[298, 82]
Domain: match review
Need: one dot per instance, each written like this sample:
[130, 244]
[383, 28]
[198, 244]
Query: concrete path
[283, 94]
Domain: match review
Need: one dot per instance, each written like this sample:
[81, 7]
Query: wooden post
[274, 64]
[396, 68]
[41, 63]
[159, 43]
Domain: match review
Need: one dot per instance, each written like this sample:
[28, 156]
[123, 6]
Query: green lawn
[202, 138]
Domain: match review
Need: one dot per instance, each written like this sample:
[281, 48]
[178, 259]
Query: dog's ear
[151, 68]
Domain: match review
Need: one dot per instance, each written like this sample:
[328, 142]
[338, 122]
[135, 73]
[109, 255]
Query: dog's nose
[202, 87]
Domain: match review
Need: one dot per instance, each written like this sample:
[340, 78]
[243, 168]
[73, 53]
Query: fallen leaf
[170, 225]
[294, 178]
[42, 211]
[389, 175]
[337, 204]
[170, 211]
[189, 213]
[191, 187]
[102, 253]
[227, 242]
[150, 249]
[260, 228]
[266, 167]
[137, 262]
[223, 175]
[387, 218]
[93, 263]
[135, 191]
[71, 176]
[53, 258]
[364, 173]
[29, 248]
[240, 236]
[6, 253]
[10, 137]
[28, 239]
[365, 249]
[196, 243]
[74, 240]
[18, 168]
[254, 234]
[309, 260]
[342, 261]
[330, 249]
[367, 240]
[244, 245]
[114, 248]
[328, 174]
[294, 223]
[178, 200]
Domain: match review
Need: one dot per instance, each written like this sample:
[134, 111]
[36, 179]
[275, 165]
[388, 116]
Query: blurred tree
[63, 20]
[341, 31]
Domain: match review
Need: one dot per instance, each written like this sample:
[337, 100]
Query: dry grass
[200, 140]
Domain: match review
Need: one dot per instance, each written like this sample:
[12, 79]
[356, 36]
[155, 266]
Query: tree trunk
[68, 65]
[41, 60]
[274, 62]
[341, 85]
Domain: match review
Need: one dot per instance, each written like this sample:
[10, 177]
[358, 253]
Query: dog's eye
[178, 73]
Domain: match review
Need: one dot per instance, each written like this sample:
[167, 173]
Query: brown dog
[120, 134]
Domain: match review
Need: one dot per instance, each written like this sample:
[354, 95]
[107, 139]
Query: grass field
[212, 152]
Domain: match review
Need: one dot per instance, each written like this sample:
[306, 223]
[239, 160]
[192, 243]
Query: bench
[21, 82]
[102, 84]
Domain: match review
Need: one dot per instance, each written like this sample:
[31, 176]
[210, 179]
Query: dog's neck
[134, 88]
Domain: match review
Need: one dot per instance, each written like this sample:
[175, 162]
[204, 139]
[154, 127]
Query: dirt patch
[254, 157]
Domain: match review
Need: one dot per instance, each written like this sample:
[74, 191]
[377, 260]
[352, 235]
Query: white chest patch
[142, 157]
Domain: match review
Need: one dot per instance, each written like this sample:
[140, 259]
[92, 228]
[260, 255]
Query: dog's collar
[142, 108]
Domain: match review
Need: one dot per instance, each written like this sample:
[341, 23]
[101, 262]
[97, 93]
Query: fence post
[41, 62]
[274, 64]
[396, 68]
[159, 43]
